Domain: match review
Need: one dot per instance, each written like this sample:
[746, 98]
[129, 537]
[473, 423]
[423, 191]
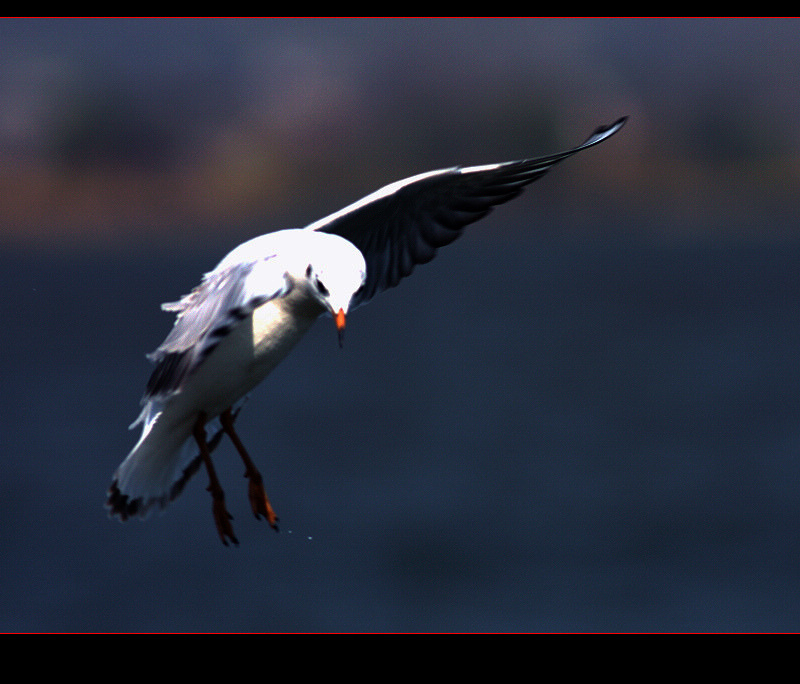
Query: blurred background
[582, 416]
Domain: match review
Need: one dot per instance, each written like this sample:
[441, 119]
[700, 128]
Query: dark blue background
[534, 434]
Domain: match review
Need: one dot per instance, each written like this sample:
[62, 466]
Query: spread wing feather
[405, 223]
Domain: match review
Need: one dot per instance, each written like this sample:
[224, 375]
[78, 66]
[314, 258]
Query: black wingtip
[603, 132]
[619, 123]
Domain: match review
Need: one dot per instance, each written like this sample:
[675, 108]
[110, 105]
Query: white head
[334, 270]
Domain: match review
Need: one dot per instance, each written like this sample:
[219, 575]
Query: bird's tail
[157, 468]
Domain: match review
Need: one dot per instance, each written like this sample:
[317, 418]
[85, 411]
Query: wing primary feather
[402, 224]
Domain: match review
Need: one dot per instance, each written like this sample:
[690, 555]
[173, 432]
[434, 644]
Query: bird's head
[334, 275]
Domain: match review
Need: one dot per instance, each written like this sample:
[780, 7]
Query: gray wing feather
[404, 224]
[205, 316]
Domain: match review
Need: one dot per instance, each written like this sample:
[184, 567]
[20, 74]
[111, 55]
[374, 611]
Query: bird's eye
[322, 289]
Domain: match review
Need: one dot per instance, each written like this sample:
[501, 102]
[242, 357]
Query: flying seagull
[246, 315]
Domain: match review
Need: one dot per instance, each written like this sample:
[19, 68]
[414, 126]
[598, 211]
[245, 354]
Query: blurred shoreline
[112, 131]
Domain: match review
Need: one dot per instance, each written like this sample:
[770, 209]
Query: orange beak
[339, 318]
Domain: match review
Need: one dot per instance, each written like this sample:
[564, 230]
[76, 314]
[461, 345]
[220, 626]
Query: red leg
[258, 497]
[222, 518]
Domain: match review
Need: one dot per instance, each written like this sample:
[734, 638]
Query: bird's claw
[259, 501]
[222, 519]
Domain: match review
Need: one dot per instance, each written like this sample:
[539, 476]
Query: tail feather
[126, 506]
[157, 468]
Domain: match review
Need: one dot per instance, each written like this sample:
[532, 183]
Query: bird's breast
[245, 357]
[276, 326]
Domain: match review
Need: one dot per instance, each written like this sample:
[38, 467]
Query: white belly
[244, 358]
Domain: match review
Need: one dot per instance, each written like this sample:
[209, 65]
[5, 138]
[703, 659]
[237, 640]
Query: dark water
[529, 434]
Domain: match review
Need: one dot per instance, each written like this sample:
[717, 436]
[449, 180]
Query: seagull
[246, 315]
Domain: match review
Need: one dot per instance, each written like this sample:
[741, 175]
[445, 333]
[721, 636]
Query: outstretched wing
[207, 314]
[404, 223]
